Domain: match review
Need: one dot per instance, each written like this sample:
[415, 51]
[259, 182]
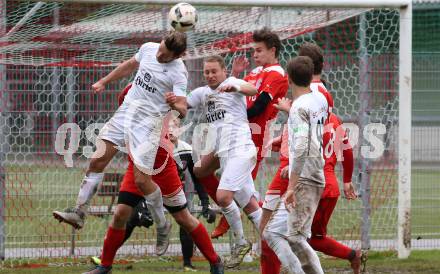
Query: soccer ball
[183, 17]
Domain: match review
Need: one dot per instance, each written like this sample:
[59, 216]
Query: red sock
[270, 264]
[210, 183]
[331, 247]
[203, 242]
[112, 242]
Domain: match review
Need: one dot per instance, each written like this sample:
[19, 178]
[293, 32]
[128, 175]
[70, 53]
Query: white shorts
[136, 131]
[174, 199]
[244, 195]
[237, 173]
[278, 221]
[271, 201]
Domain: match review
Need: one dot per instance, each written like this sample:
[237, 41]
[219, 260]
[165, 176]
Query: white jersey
[306, 127]
[225, 113]
[154, 79]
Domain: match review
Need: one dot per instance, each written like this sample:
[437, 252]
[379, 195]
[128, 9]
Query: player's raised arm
[195, 98]
[177, 103]
[239, 86]
[122, 70]
[239, 65]
[248, 89]
[180, 85]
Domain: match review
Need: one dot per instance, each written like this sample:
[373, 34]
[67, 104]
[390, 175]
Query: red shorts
[322, 216]
[167, 180]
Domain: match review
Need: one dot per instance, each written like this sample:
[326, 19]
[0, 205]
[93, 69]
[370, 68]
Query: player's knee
[224, 198]
[144, 186]
[97, 165]
[180, 217]
[251, 206]
[246, 199]
[198, 172]
[223, 201]
[185, 219]
[139, 183]
[119, 220]
[297, 238]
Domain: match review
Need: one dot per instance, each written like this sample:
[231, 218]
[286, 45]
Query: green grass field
[33, 192]
[420, 262]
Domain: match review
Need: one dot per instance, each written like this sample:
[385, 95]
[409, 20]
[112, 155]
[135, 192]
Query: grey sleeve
[299, 139]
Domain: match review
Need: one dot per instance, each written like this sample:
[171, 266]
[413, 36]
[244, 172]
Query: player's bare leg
[153, 197]
[94, 175]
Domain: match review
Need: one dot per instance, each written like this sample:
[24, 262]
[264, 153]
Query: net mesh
[51, 53]
[62, 34]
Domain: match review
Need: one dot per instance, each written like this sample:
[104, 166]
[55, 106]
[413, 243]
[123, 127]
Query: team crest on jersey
[145, 82]
[211, 106]
[147, 77]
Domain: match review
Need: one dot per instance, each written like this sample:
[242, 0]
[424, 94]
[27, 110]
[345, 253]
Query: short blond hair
[215, 58]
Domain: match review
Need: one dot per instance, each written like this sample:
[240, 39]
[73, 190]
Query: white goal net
[52, 52]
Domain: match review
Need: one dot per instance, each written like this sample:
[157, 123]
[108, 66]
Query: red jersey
[333, 139]
[318, 86]
[122, 94]
[273, 80]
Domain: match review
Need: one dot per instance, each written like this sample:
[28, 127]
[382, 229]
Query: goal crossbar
[277, 3]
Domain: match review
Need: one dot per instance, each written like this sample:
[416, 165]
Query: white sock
[155, 205]
[87, 190]
[232, 215]
[255, 218]
[284, 252]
